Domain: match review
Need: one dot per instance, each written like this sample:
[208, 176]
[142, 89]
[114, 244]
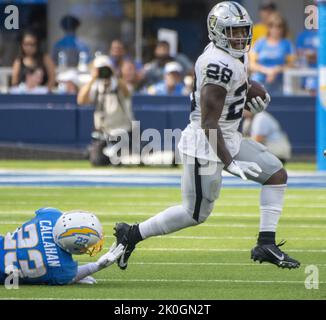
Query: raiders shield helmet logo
[212, 22]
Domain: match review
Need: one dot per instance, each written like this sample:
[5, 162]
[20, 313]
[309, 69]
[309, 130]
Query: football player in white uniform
[211, 142]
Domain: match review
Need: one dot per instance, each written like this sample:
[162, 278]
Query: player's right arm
[212, 99]
[84, 272]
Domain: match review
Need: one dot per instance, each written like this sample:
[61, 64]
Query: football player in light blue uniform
[41, 249]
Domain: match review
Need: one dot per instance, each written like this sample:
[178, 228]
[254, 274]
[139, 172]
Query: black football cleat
[122, 234]
[271, 253]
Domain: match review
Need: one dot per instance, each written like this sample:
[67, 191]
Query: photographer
[113, 114]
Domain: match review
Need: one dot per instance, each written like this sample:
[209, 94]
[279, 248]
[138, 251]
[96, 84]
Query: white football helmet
[79, 232]
[221, 22]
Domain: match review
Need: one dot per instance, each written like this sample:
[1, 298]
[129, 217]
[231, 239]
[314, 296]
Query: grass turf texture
[84, 164]
[210, 261]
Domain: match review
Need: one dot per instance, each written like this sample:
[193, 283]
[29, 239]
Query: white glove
[111, 257]
[87, 280]
[257, 104]
[239, 168]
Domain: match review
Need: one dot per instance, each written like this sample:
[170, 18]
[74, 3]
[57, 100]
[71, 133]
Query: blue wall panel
[57, 120]
[38, 125]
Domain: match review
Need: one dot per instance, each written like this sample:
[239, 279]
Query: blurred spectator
[189, 84]
[154, 70]
[271, 55]
[307, 48]
[68, 82]
[186, 63]
[32, 84]
[31, 57]
[70, 45]
[2, 49]
[260, 29]
[113, 110]
[130, 76]
[265, 129]
[172, 84]
[117, 54]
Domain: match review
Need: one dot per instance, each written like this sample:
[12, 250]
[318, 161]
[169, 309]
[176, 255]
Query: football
[255, 90]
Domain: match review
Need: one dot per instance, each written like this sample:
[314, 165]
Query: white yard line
[220, 250]
[207, 280]
[163, 204]
[226, 238]
[209, 225]
[224, 250]
[134, 194]
[140, 213]
[209, 264]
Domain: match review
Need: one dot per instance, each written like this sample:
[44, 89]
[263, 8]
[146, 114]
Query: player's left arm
[84, 272]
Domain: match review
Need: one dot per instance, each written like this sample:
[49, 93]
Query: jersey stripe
[238, 9]
[199, 192]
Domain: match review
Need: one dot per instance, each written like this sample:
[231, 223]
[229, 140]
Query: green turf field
[84, 164]
[210, 261]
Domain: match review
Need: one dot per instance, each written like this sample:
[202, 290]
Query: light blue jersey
[31, 249]
[162, 89]
[308, 40]
[271, 56]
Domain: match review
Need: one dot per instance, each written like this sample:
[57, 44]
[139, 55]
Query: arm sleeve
[85, 271]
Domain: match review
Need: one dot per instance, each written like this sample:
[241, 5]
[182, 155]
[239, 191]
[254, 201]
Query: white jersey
[216, 66]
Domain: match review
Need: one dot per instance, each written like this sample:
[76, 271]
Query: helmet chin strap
[241, 54]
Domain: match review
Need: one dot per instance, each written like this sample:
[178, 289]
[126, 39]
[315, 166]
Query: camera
[105, 72]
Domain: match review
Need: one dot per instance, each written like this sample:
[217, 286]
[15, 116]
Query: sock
[168, 221]
[266, 238]
[134, 234]
[271, 205]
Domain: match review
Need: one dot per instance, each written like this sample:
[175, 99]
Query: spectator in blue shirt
[70, 44]
[272, 55]
[307, 47]
[172, 84]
